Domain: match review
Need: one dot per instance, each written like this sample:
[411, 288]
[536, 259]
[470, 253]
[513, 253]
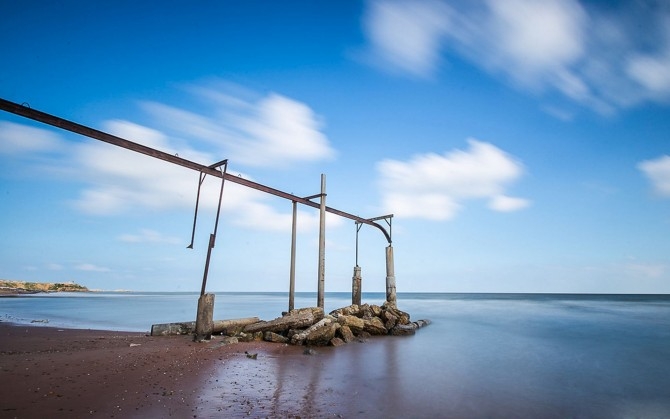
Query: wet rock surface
[312, 327]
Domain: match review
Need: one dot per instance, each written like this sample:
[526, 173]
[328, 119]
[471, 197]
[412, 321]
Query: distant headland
[8, 288]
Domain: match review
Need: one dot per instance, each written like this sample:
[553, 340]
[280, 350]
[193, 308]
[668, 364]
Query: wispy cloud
[646, 270]
[272, 131]
[20, 139]
[593, 55]
[434, 186]
[148, 236]
[406, 36]
[658, 172]
[253, 130]
[89, 267]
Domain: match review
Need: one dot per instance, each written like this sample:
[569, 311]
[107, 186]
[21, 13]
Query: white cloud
[504, 203]
[406, 35]
[652, 72]
[433, 186]
[590, 54]
[18, 139]
[270, 131]
[658, 172]
[535, 37]
[148, 236]
[89, 267]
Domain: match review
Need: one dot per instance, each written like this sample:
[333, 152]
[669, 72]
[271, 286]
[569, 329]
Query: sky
[521, 145]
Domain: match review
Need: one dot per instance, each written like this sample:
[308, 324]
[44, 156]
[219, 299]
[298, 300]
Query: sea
[482, 356]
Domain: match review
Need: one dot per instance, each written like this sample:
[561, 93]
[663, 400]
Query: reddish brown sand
[63, 373]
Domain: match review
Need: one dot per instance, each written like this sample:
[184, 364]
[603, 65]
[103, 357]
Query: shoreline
[56, 372]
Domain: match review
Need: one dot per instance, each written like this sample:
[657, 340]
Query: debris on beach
[311, 326]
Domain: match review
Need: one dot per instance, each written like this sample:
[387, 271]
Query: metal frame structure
[215, 170]
[64, 124]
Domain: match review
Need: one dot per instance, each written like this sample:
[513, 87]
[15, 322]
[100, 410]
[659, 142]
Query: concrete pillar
[322, 245]
[356, 286]
[204, 322]
[291, 287]
[390, 277]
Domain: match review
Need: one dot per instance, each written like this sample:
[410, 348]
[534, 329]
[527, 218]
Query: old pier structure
[204, 324]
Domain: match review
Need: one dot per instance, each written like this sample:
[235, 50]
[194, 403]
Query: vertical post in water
[291, 287]
[356, 286]
[204, 324]
[322, 245]
[390, 277]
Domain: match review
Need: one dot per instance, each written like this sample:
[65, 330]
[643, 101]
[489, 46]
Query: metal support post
[322, 245]
[204, 322]
[356, 280]
[291, 288]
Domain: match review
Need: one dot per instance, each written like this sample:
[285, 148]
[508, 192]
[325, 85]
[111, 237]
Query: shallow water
[484, 355]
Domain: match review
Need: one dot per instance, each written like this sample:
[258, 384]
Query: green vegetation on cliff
[23, 286]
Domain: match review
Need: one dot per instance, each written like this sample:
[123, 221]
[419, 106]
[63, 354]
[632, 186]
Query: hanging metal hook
[358, 228]
[195, 215]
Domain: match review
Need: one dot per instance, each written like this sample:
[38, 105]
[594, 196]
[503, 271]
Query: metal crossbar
[64, 124]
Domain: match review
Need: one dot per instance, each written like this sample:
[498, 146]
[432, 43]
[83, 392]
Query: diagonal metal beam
[64, 124]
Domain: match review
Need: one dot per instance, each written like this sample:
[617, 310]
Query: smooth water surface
[484, 355]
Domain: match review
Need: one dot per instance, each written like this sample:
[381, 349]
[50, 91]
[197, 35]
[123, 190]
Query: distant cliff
[24, 287]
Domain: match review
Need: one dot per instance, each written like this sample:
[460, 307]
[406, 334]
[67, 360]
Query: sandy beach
[51, 372]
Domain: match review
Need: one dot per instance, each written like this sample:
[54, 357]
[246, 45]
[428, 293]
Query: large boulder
[346, 334]
[403, 329]
[390, 310]
[390, 320]
[317, 312]
[320, 333]
[374, 326]
[354, 323]
[352, 310]
[274, 337]
[295, 319]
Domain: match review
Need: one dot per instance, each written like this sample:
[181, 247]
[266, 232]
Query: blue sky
[523, 146]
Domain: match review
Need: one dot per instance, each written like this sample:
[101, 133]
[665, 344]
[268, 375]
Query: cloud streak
[268, 131]
[658, 173]
[434, 187]
[589, 54]
[272, 131]
[21, 139]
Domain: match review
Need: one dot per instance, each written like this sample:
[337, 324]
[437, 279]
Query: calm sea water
[484, 355]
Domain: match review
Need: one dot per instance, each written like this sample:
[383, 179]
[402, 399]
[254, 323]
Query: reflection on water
[490, 358]
[482, 356]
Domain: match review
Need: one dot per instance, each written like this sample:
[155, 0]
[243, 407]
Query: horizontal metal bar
[64, 124]
[383, 217]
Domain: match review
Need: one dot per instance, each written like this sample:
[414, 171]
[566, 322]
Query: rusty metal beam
[64, 124]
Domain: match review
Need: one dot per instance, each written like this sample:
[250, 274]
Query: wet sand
[51, 372]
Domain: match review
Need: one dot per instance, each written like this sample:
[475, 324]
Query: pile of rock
[311, 326]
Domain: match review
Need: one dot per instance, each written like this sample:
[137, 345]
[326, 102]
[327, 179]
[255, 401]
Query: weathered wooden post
[291, 287]
[204, 321]
[356, 286]
[390, 277]
[322, 245]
